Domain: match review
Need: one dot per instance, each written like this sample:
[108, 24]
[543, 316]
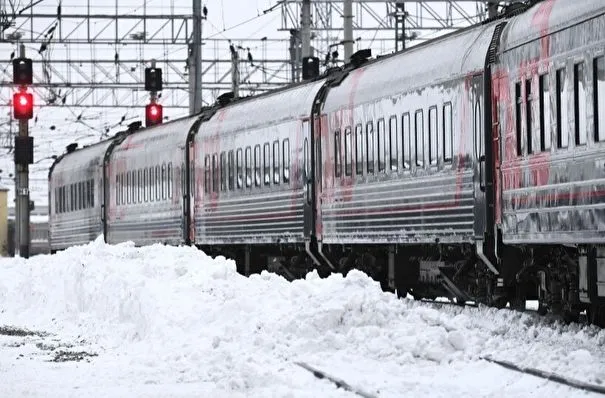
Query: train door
[307, 173]
[475, 105]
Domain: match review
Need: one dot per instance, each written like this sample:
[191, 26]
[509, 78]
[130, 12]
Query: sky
[244, 22]
[119, 321]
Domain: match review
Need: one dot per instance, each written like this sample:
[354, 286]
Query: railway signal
[23, 105]
[23, 110]
[153, 114]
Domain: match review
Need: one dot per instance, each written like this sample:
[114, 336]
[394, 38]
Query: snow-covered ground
[172, 322]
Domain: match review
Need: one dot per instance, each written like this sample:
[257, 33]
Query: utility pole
[400, 34]
[195, 61]
[347, 16]
[235, 73]
[24, 148]
[295, 59]
[306, 29]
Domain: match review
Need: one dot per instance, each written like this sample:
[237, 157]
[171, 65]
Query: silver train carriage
[549, 101]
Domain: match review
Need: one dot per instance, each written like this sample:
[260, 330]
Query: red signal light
[23, 105]
[153, 114]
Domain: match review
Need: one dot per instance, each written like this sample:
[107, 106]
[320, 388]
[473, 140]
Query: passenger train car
[470, 167]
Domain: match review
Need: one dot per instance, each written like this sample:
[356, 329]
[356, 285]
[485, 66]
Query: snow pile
[165, 316]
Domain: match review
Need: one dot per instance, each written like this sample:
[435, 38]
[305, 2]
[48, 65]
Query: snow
[170, 321]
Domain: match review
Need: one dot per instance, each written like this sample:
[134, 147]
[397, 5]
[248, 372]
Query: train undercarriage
[568, 282]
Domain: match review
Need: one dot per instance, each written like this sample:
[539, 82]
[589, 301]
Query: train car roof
[87, 156]
[547, 17]
[292, 102]
[442, 59]
[159, 137]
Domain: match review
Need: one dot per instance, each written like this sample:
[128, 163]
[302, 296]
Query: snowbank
[176, 318]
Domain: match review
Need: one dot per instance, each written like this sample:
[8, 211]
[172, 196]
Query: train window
[580, 103]
[215, 173]
[382, 145]
[240, 168]
[286, 160]
[257, 165]
[150, 184]
[545, 133]
[599, 98]
[419, 138]
[223, 171]
[562, 110]
[231, 169]
[117, 190]
[145, 184]
[164, 181]
[518, 104]
[406, 153]
[529, 121]
[169, 178]
[157, 182]
[393, 145]
[207, 174]
[359, 149]
[276, 171]
[433, 151]
[348, 153]
[448, 136]
[266, 164]
[128, 187]
[248, 167]
[337, 155]
[64, 198]
[370, 146]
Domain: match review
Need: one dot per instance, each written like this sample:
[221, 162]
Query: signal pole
[23, 157]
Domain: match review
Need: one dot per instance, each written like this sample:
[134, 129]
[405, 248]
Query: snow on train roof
[171, 134]
[288, 104]
[546, 17]
[456, 55]
[82, 158]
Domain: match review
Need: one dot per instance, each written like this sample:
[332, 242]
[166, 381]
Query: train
[471, 167]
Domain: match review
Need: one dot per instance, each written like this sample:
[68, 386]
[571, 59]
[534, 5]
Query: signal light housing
[22, 71]
[153, 114]
[23, 105]
[153, 79]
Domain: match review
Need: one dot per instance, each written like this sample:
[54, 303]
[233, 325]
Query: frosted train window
[140, 186]
[266, 164]
[257, 165]
[230, 170]
[145, 184]
[448, 136]
[248, 167]
[276, 176]
[393, 144]
[206, 174]
[599, 98]
[286, 160]
[348, 152]
[406, 151]
[433, 151]
[223, 171]
[359, 149]
[419, 138]
[157, 182]
[580, 104]
[370, 146]
[169, 177]
[128, 190]
[239, 161]
[215, 173]
[381, 145]
[562, 110]
[337, 155]
[545, 124]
